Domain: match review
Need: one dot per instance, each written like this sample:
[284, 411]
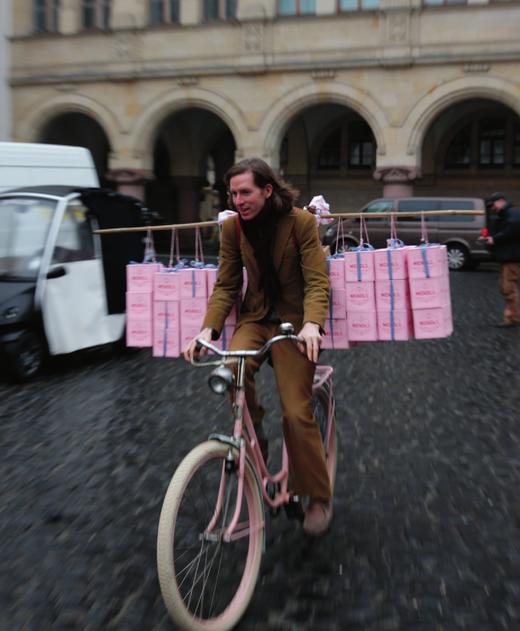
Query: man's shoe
[507, 325]
[317, 517]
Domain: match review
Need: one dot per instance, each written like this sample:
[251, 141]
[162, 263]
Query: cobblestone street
[426, 531]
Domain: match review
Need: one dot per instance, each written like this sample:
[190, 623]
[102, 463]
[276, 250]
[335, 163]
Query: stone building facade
[5, 114]
[353, 99]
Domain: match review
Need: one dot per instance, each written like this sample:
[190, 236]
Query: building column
[188, 190]
[130, 181]
[397, 180]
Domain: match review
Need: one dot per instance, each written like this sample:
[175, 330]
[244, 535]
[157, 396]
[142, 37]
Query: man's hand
[310, 334]
[189, 351]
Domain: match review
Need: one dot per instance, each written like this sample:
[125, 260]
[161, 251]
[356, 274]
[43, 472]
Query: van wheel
[26, 357]
[458, 257]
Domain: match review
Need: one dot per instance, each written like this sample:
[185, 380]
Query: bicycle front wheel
[207, 582]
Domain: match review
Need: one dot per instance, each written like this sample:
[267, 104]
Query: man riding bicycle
[280, 248]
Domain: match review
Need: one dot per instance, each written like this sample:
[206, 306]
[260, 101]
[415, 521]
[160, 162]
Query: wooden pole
[367, 216]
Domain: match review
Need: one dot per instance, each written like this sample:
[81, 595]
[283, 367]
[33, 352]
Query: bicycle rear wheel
[206, 582]
[321, 401]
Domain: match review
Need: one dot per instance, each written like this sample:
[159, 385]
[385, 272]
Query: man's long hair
[283, 196]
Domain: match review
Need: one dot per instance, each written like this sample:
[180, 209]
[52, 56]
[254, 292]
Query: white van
[33, 164]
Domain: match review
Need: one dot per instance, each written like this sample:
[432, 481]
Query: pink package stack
[335, 336]
[394, 316]
[430, 291]
[193, 302]
[139, 286]
[360, 296]
[166, 314]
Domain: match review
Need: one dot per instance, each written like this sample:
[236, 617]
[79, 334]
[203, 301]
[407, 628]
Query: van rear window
[416, 205]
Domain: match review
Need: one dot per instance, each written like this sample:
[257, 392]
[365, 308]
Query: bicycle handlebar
[244, 353]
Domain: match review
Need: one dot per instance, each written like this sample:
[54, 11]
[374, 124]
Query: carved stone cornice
[397, 174]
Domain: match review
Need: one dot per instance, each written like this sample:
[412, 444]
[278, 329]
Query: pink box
[211, 278]
[338, 304]
[336, 270]
[139, 304]
[188, 332]
[167, 286]
[432, 323]
[362, 326]
[192, 311]
[225, 338]
[163, 309]
[397, 257]
[436, 257]
[402, 324]
[430, 293]
[193, 283]
[360, 296]
[359, 266]
[338, 339]
[138, 332]
[401, 294]
[139, 276]
[166, 342]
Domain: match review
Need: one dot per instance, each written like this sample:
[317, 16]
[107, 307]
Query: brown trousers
[294, 375]
[508, 282]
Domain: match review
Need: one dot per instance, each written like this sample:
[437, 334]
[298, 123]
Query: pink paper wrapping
[138, 332]
[402, 324]
[401, 299]
[139, 276]
[337, 304]
[362, 326]
[360, 296]
[167, 286]
[366, 266]
[436, 261]
[432, 323]
[192, 311]
[166, 342]
[163, 308]
[139, 305]
[398, 259]
[336, 269]
[336, 335]
[428, 293]
[193, 283]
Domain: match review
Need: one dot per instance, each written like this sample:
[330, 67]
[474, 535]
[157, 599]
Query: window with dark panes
[459, 150]
[492, 133]
[417, 205]
[361, 145]
[329, 158]
[357, 5]
[455, 204]
[96, 14]
[220, 9]
[164, 11]
[46, 16]
[296, 7]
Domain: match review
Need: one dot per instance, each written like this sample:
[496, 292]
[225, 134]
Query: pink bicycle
[212, 525]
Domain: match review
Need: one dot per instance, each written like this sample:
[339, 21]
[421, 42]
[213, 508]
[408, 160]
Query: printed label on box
[362, 326]
[167, 286]
[401, 294]
[138, 333]
[139, 304]
[360, 296]
[359, 266]
[397, 258]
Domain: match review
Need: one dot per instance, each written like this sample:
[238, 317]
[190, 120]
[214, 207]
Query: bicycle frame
[248, 447]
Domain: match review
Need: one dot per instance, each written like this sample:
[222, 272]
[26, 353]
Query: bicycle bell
[286, 328]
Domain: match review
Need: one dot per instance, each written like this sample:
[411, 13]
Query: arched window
[329, 158]
[95, 14]
[459, 150]
[46, 16]
[361, 145]
[296, 7]
[220, 9]
[164, 11]
[491, 141]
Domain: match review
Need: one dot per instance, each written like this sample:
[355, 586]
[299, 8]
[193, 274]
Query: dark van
[460, 233]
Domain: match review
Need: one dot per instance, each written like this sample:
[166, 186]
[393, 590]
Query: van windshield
[24, 226]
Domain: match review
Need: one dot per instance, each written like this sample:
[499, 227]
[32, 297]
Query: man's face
[498, 205]
[249, 199]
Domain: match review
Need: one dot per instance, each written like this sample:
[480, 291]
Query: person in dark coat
[504, 243]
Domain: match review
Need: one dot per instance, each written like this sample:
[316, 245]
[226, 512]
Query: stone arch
[71, 103]
[284, 109]
[426, 110]
[158, 110]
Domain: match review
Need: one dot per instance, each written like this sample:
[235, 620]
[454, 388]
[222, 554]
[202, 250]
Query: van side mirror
[56, 272]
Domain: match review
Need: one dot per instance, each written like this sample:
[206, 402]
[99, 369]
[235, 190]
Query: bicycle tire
[239, 575]
[320, 407]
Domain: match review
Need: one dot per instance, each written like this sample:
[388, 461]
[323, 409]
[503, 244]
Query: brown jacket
[299, 261]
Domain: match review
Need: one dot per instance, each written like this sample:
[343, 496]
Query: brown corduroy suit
[300, 264]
